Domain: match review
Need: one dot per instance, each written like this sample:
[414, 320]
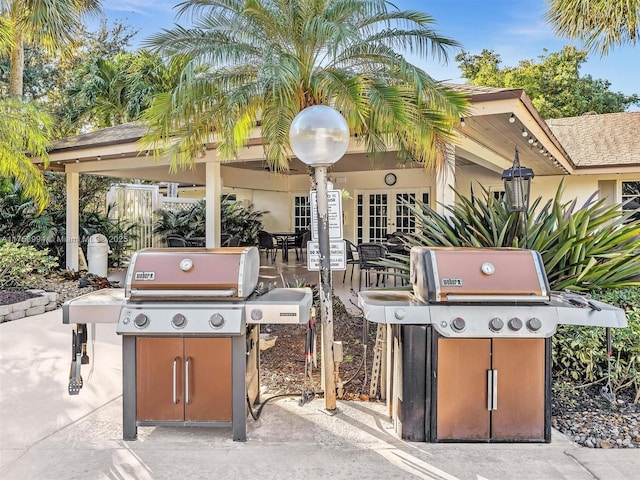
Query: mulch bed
[8, 297]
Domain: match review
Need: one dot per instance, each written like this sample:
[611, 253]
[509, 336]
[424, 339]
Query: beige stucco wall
[579, 187]
[272, 192]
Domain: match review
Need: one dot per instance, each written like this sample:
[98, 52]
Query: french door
[382, 212]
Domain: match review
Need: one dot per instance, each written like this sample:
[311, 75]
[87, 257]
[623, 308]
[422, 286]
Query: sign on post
[337, 255]
[334, 214]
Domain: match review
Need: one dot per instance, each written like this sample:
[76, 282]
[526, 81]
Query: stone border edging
[46, 302]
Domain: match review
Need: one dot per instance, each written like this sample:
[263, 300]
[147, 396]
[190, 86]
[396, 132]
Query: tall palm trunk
[17, 65]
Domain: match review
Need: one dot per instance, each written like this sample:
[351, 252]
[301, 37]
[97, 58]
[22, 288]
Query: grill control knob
[400, 313]
[534, 324]
[256, 314]
[179, 320]
[458, 324]
[496, 324]
[216, 320]
[141, 320]
[515, 324]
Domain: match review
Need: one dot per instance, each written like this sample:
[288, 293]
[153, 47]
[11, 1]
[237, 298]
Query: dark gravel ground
[582, 414]
[589, 419]
[8, 297]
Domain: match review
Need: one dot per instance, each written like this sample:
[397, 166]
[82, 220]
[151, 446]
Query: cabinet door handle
[489, 390]
[495, 389]
[187, 367]
[175, 379]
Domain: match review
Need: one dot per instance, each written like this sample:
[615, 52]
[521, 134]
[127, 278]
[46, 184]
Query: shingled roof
[600, 140]
[128, 132]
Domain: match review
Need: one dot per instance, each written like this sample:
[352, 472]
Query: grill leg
[129, 428]
[239, 391]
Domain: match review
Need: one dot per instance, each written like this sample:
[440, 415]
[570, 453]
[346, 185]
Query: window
[631, 197]
[301, 213]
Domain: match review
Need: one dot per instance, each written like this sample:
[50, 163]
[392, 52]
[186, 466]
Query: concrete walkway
[47, 434]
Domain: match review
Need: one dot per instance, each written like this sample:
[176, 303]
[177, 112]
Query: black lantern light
[517, 184]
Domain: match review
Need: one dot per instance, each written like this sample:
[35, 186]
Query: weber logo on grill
[145, 276]
[451, 282]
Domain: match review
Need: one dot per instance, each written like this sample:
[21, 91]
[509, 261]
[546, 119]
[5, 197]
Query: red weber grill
[189, 320]
[471, 344]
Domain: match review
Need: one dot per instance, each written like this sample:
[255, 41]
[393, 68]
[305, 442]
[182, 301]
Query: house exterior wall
[275, 193]
[580, 187]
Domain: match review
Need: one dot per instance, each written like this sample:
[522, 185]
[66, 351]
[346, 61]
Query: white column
[446, 181]
[73, 219]
[213, 191]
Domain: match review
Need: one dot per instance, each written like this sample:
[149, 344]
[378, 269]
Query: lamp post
[319, 137]
[517, 185]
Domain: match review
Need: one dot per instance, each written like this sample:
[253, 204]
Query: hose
[256, 414]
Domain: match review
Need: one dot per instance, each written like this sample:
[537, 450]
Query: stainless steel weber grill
[471, 345]
[189, 318]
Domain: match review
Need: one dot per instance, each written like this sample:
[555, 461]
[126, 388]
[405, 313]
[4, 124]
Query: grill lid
[455, 274]
[202, 273]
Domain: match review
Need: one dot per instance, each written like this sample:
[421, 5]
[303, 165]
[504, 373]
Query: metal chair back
[176, 241]
[369, 254]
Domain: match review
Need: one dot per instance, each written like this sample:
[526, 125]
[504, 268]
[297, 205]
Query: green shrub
[579, 353]
[235, 219]
[17, 263]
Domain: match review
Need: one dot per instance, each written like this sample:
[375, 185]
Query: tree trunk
[17, 66]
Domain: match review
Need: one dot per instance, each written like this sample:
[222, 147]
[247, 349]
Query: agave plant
[595, 246]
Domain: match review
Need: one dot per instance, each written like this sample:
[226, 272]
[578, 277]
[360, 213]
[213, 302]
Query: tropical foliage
[52, 25]
[590, 247]
[236, 220]
[107, 92]
[580, 354]
[18, 262]
[601, 24]
[553, 82]
[22, 223]
[259, 63]
[23, 133]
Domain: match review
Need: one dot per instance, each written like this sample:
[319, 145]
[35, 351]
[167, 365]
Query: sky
[513, 29]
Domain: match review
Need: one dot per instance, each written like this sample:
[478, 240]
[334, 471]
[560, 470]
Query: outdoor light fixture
[530, 140]
[512, 118]
[517, 185]
[319, 137]
[525, 133]
[462, 122]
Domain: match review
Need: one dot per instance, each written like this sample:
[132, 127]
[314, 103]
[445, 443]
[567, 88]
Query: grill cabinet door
[208, 368]
[159, 367]
[462, 412]
[520, 364]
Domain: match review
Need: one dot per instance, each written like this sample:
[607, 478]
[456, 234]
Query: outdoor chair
[267, 243]
[234, 241]
[396, 244]
[352, 259]
[176, 241]
[369, 256]
[301, 244]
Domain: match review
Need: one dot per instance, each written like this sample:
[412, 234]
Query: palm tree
[109, 92]
[24, 131]
[47, 23]
[601, 24]
[259, 62]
